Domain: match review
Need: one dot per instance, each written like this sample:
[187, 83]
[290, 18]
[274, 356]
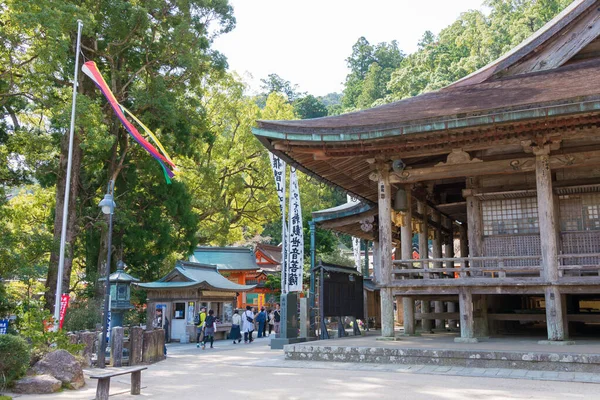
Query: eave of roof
[562, 91]
[341, 211]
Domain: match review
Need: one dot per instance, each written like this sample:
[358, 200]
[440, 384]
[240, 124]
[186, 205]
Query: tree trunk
[71, 219]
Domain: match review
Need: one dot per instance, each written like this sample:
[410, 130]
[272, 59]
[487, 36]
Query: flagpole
[63, 233]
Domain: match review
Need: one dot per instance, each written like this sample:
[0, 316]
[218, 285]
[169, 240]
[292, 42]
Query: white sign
[279, 171]
[296, 232]
[356, 251]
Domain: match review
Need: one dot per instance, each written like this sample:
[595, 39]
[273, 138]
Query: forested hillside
[159, 62]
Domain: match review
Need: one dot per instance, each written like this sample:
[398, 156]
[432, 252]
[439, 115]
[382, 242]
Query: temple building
[506, 160]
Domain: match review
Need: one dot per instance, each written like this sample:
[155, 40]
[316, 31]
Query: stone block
[63, 366]
[38, 384]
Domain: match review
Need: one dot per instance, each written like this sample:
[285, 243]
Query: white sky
[307, 41]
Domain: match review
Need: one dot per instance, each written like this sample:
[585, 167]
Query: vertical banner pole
[63, 233]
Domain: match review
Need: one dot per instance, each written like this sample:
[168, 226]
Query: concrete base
[557, 342]
[389, 352]
[278, 343]
[470, 340]
[387, 338]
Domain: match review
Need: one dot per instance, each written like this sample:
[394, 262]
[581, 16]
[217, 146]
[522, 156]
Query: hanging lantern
[400, 200]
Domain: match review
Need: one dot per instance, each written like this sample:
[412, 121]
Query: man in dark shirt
[261, 318]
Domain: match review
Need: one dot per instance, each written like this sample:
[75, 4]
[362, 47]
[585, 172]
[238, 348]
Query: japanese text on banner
[296, 234]
[279, 171]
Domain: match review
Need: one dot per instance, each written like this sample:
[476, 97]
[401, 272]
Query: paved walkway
[256, 372]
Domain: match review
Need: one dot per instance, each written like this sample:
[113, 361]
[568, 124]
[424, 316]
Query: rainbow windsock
[90, 69]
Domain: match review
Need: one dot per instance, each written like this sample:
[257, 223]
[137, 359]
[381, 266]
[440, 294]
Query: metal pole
[102, 345]
[63, 233]
[311, 226]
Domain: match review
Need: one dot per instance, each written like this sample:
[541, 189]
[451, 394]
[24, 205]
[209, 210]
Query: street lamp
[107, 205]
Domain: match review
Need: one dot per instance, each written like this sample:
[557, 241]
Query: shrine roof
[226, 258]
[187, 275]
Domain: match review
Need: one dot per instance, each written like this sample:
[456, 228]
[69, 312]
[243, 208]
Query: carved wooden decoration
[458, 156]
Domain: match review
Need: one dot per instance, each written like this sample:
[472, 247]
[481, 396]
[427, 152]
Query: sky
[307, 41]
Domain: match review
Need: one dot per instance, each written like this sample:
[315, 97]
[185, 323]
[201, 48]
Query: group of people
[246, 323]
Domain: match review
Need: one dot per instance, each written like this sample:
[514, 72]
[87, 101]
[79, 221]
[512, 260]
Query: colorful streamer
[91, 70]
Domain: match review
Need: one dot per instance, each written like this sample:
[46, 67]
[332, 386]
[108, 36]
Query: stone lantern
[120, 294]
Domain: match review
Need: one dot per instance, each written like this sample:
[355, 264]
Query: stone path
[257, 372]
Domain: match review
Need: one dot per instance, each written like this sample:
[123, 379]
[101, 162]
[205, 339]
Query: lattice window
[511, 216]
[580, 212]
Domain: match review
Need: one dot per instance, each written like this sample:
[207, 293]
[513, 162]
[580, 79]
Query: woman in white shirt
[236, 326]
[248, 324]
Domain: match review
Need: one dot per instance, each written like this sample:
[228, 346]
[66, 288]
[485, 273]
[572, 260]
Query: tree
[373, 64]
[276, 84]
[154, 55]
[309, 107]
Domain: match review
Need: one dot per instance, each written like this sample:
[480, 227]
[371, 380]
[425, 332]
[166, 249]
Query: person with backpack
[210, 327]
[261, 318]
[248, 324]
[199, 322]
[277, 318]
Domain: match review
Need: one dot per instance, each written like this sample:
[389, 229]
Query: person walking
[210, 327]
[248, 324]
[261, 318]
[200, 325]
[271, 316]
[277, 318]
[236, 325]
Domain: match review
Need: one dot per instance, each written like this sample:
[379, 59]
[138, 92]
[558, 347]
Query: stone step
[541, 361]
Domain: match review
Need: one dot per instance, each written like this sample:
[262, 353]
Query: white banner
[279, 171]
[296, 253]
[356, 251]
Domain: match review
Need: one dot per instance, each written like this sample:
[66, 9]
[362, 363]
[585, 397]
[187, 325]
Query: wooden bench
[104, 381]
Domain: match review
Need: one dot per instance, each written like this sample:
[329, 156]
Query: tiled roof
[226, 258]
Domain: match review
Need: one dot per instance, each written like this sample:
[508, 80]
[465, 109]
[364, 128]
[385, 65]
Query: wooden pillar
[474, 220]
[376, 267]
[437, 253]
[408, 304]
[150, 315]
[423, 209]
[136, 335]
[464, 243]
[406, 235]
[385, 250]
[116, 346]
[465, 301]
[555, 314]
[449, 253]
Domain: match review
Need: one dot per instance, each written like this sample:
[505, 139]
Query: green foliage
[14, 359]
[370, 69]
[26, 233]
[309, 107]
[33, 324]
[276, 84]
[83, 314]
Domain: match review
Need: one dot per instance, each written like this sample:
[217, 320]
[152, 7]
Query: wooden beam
[507, 166]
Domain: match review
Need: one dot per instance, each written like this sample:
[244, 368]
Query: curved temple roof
[187, 275]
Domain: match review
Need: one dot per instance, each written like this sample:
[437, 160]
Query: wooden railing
[508, 269]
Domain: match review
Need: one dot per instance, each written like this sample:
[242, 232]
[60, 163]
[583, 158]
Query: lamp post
[107, 205]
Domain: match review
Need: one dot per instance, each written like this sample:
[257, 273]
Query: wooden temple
[506, 160]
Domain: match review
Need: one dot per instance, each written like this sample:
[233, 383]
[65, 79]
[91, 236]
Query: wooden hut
[506, 159]
[175, 299]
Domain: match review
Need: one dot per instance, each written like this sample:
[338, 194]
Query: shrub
[83, 314]
[14, 358]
